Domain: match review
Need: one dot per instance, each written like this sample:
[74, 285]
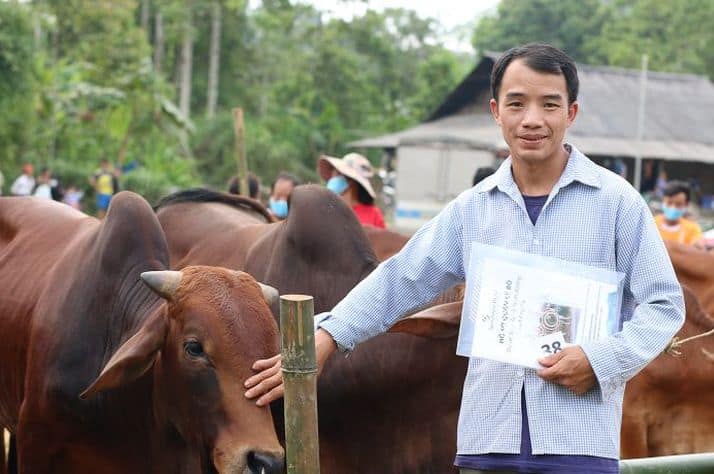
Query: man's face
[282, 190]
[533, 112]
[678, 201]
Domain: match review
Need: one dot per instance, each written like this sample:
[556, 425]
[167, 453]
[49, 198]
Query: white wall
[428, 178]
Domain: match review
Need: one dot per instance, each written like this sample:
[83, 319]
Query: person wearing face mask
[280, 194]
[672, 224]
[349, 178]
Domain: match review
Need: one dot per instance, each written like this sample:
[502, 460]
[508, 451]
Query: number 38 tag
[550, 343]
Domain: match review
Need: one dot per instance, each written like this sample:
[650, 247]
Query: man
[105, 186]
[566, 416]
[672, 224]
[280, 194]
[25, 183]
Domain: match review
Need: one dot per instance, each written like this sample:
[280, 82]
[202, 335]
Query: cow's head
[201, 345]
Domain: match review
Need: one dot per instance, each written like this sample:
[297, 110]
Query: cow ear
[134, 357]
[438, 322]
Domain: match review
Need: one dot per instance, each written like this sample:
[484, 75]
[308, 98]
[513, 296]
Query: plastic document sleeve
[519, 307]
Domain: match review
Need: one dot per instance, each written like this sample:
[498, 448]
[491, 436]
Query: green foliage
[85, 92]
[16, 83]
[677, 36]
[566, 24]
[77, 83]
[309, 86]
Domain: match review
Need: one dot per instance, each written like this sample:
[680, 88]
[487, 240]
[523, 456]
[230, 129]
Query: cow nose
[262, 463]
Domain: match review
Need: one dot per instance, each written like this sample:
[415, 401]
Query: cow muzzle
[250, 462]
[265, 463]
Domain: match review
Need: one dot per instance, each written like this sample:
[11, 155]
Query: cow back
[210, 228]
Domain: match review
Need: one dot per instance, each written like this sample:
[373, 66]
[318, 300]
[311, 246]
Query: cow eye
[193, 349]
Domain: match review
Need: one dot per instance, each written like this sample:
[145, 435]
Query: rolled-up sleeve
[652, 285]
[429, 263]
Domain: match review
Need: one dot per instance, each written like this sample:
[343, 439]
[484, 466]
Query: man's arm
[429, 263]
[659, 311]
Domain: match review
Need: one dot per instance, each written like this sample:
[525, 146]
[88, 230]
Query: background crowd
[351, 178]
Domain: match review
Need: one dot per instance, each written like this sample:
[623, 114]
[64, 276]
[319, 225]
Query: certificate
[520, 307]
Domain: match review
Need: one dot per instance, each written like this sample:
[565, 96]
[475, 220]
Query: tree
[186, 64]
[92, 95]
[17, 84]
[566, 24]
[677, 36]
[214, 65]
[308, 84]
[158, 41]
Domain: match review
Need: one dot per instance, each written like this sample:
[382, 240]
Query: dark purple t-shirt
[526, 461]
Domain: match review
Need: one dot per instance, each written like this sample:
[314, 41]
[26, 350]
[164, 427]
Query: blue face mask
[338, 184]
[279, 207]
[672, 213]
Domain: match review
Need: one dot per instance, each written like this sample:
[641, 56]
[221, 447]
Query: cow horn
[269, 293]
[163, 282]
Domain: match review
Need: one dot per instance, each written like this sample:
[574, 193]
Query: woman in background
[348, 177]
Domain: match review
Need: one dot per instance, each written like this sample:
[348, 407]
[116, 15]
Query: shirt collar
[579, 168]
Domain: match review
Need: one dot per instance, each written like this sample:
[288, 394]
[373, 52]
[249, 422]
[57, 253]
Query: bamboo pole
[299, 368]
[241, 159]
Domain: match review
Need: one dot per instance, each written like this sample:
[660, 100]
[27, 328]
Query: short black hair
[363, 197]
[287, 177]
[675, 187]
[540, 57]
[481, 174]
[253, 186]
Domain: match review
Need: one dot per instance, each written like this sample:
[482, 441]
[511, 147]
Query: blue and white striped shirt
[592, 216]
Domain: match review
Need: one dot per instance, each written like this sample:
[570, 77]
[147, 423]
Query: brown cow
[160, 375]
[385, 242]
[695, 269]
[668, 405]
[320, 249]
[392, 405]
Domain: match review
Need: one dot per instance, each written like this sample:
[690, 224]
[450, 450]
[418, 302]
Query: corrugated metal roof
[679, 122]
